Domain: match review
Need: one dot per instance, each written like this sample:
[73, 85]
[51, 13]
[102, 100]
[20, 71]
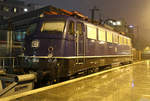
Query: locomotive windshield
[31, 28]
[53, 26]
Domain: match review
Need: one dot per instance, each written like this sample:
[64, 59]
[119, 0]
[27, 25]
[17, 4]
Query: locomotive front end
[43, 42]
[45, 39]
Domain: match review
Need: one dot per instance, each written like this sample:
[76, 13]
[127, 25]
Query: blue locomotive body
[65, 43]
[66, 46]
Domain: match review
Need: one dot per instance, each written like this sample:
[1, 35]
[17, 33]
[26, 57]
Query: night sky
[136, 12]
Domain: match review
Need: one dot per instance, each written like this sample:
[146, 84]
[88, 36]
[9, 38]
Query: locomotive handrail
[7, 57]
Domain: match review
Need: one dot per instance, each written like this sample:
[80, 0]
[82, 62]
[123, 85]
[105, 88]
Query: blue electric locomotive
[60, 46]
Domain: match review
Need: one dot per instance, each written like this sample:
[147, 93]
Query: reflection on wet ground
[131, 83]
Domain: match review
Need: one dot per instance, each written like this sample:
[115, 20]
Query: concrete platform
[126, 83]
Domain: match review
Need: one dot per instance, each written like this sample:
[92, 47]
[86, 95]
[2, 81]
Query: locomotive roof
[62, 16]
[57, 16]
[78, 19]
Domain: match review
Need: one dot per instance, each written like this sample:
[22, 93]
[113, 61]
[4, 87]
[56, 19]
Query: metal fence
[7, 62]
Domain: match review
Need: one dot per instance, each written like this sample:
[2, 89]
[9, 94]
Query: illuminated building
[10, 8]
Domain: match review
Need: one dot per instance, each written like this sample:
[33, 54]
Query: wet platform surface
[127, 83]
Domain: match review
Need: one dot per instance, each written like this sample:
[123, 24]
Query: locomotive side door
[80, 44]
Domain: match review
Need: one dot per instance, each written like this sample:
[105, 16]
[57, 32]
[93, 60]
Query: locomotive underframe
[60, 69]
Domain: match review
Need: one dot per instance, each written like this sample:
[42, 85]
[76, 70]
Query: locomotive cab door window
[80, 28]
[80, 39]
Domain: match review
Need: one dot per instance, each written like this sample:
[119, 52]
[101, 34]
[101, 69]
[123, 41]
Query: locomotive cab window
[31, 28]
[71, 27]
[53, 26]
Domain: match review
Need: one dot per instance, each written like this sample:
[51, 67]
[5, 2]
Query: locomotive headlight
[35, 43]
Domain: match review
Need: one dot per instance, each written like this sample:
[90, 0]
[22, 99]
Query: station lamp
[114, 23]
[25, 10]
[118, 23]
[111, 21]
[131, 26]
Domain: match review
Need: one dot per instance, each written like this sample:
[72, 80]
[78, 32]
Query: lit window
[109, 36]
[15, 10]
[124, 40]
[120, 40]
[19, 35]
[91, 32]
[101, 35]
[115, 38]
[53, 26]
[6, 9]
[129, 43]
